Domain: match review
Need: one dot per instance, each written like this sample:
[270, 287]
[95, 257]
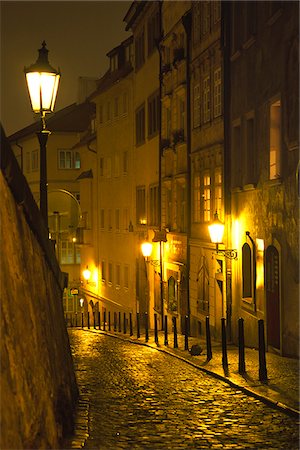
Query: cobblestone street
[135, 397]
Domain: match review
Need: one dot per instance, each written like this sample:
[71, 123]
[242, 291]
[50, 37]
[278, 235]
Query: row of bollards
[117, 325]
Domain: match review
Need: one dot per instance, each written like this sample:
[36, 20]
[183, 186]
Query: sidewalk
[281, 390]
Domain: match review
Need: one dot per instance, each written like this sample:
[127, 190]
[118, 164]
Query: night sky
[78, 36]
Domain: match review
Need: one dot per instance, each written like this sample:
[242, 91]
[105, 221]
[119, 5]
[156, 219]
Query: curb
[246, 390]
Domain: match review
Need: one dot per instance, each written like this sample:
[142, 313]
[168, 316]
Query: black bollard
[124, 323]
[94, 318]
[208, 340]
[155, 329]
[88, 319]
[82, 320]
[130, 324]
[186, 333]
[138, 325]
[166, 331]
[146, 327]
[263, 376]
[224, 345]
[99, 320]
[109, 326]
[242, 366]
[115, 321]
[104, 320]
[175, 332]
[120, 325]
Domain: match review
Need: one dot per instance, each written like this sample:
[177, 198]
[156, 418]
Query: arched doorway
[273, 297]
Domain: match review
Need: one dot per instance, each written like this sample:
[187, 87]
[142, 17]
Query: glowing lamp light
[86, 273]
[216, 230]
[42, 82]
[146, 249]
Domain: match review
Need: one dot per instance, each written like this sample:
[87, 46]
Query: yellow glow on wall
[260, 263]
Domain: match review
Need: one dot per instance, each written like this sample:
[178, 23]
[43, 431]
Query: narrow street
[139, 398]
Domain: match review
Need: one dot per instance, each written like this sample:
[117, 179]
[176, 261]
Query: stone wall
[37, 387]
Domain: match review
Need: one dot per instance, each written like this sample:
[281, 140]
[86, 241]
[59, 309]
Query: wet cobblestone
[139, 398]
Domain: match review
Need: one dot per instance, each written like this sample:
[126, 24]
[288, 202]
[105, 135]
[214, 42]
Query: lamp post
[146, 248]
[42, 82]
[216, 231]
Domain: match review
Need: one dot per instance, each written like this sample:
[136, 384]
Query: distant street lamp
[42, 82]
[216, 231]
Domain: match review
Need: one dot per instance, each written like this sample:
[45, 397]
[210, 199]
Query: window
[140, 125]
[116, 107]
[34, 160]
[125, 103]
[217, 93]
[117, 219]
[102, 223]
[196, 105]
[68, 159]
[218, 191]
[110, 273]
[103, 271]
[67, 255]
[141, 205]
[168, 123]
[275, 140]
[125, 219]
[196, 22]
[117, 165]
[153, 114]
[77, 162]
[126, 276]
[206, 197]
[181, 114]
[237, 159]
[118, 276]
[109, 220]
[139, 50]
[154, 204]
[101, 114]
[250, 151]
[153, 32]
[197, 198]
[206, 99]
[181, 208]
[125, 162]
[101, 166]
[205, 17]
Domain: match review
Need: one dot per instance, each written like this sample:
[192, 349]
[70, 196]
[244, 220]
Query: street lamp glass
[216, 230]
[146, 249]
[87, 274]
[42, 82]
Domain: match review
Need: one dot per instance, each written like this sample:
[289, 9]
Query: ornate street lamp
[216, 231]
[42, 82]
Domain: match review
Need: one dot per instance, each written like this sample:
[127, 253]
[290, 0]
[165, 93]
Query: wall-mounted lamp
[146, 248]
[81, 301]
[216, 231]
[87, 276]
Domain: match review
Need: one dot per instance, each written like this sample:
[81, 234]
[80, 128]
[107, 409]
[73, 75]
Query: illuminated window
[206, 99]
[196, 105]
[197, 198]
[275, 140]
[68, 159]
[217, 93]
[67, 255]
[77, 162]
[206, 197]
[141, 205]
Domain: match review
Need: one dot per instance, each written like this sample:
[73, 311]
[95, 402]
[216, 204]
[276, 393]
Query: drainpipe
[187, 23]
